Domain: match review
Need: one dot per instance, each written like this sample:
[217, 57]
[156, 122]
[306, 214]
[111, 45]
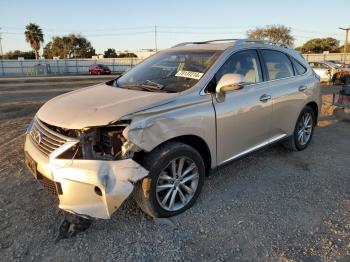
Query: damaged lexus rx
[158, 130]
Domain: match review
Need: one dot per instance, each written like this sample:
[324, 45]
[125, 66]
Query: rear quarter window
[298, 67]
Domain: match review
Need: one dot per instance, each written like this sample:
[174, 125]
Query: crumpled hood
[97, 105]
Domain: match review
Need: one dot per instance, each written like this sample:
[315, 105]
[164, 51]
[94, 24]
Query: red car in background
[99, 69]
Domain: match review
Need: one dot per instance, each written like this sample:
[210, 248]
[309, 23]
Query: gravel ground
[273, 205]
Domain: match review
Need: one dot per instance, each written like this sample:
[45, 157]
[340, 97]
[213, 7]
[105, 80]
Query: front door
[243, 116]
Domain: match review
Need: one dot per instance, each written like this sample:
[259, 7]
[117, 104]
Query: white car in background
[330, 71]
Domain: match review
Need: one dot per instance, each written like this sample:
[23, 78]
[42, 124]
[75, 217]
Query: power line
[62, 30]
[118, 34]
[93, 35]
[51, 31]
[162, 30]
[199, 33]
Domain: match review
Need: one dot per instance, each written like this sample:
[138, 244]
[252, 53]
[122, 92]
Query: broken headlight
[102, 143]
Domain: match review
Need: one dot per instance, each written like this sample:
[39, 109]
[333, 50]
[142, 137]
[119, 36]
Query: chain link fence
[52, 67]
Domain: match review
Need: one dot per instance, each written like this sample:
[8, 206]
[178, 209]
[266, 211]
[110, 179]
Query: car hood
[97, 105]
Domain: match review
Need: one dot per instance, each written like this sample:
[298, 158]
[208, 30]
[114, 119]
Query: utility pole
[1, 53]
[155, 38]
[346, 41]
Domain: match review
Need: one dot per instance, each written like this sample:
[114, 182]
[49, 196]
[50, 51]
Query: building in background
[98, 56]
[144, 53]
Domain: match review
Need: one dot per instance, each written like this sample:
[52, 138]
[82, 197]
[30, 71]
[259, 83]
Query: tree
[277, 33]
[34, 36]
[71, 46]
[341, 48]
[319, 45]
[110, 53]
[125, 55]
[17, 53]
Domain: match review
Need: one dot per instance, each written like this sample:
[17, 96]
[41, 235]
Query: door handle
[302, 88]
[264, 98]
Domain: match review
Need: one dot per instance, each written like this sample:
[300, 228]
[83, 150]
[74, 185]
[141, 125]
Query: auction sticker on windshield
[189, 74]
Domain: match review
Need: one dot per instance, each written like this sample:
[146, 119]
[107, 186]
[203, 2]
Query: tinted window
[245, 63]
[277, 64]
[299, 68]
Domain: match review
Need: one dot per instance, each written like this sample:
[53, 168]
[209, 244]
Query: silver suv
[157, 130]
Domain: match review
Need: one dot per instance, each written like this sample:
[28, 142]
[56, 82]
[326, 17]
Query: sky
[130, 25]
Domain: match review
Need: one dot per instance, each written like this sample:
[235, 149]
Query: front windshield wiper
[147, 85]
[152, 84]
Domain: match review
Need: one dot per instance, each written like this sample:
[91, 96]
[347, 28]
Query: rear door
[289, 89]
[243, 116]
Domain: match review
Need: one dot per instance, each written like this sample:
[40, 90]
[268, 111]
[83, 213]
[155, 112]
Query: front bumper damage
[88, 188]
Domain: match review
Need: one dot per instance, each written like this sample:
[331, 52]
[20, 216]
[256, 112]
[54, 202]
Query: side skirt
[257, 148]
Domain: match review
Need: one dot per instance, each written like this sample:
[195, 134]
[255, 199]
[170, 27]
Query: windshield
[172, 71]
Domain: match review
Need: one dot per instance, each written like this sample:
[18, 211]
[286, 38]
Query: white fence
[47, 67]
[332, 56]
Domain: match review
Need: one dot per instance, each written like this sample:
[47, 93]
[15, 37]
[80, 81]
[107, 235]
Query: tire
[154, 189]
[293, 143]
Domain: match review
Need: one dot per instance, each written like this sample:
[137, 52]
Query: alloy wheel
[177, 184]
[305, 127]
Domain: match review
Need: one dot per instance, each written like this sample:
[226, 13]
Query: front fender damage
[148, 133]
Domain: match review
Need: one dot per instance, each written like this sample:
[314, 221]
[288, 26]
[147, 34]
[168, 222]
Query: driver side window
[245, 63]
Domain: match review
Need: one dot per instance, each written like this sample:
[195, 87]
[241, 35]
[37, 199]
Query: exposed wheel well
[314, 107]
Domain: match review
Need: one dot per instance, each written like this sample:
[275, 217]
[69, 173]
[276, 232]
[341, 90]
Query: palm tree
[34, 36]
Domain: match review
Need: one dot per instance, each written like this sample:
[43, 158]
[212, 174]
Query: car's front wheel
[303, 130]
[176, 176]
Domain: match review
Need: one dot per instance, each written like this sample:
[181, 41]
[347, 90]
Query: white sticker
[189, 74]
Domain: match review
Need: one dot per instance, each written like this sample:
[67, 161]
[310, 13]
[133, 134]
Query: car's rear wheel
[303, 131]
[176, 176]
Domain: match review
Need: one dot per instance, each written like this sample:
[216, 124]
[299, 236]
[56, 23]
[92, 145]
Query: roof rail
[237, 41]
[205, 42]
[260, 41]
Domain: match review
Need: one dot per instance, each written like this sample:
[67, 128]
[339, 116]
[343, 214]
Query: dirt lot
[273, 205]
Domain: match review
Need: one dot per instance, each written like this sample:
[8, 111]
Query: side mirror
[230, 82]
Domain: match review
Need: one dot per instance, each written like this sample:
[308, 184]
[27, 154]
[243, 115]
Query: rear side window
[299, 68]
[277, 64]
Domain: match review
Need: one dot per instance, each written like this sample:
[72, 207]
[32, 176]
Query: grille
[45, 139]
